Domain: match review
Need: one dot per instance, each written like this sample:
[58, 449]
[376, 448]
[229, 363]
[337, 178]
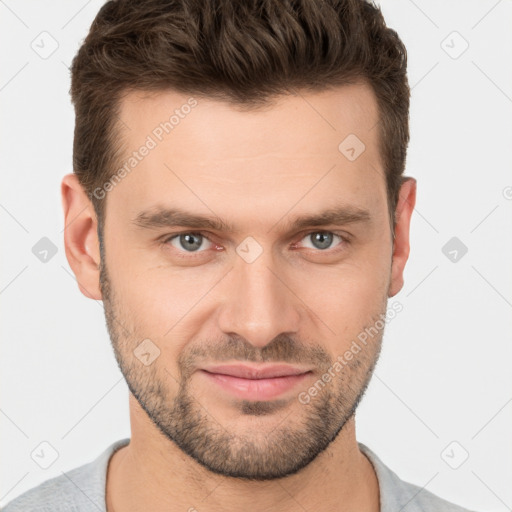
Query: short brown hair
[245, 52]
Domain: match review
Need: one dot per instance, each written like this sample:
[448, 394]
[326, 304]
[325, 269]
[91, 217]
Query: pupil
[189, 239]
[323, 239]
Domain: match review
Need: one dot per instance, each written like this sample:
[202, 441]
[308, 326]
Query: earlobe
[401, 247]
[80, 236]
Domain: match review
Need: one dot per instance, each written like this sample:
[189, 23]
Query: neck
[152, 473]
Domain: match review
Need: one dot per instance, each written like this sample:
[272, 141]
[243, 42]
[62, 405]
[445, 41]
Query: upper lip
[256, 372]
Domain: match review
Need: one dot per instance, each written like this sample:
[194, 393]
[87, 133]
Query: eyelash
[345, 240]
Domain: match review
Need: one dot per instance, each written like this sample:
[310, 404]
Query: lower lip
[256, 389]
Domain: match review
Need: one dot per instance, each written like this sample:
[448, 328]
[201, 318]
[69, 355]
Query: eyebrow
[173, 217]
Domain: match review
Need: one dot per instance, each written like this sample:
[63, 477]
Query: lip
[245, 371]
[255, 383]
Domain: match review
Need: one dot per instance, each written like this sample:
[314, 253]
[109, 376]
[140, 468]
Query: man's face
[263, 291]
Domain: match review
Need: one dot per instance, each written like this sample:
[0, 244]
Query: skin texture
[299, 302]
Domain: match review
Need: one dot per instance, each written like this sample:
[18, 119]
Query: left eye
[322, 239]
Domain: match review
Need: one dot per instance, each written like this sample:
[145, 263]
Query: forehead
[203, 152]
[287, 121]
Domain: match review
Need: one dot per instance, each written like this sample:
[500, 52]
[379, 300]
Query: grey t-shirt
[83, 490]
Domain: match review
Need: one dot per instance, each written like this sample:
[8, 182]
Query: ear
[81, 236]
[404, 209]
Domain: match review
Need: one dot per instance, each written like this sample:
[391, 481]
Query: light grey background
[444, 374]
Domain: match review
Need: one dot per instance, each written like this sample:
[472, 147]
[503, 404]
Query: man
[239, 205]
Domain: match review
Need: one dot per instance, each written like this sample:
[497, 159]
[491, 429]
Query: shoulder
[80, 489]
[55, 495]
[397, 494]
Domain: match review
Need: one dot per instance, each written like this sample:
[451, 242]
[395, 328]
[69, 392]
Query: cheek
[347, 298]
[155, 303]
[161, 304]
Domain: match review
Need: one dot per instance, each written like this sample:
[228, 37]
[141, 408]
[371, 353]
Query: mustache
[282, 349]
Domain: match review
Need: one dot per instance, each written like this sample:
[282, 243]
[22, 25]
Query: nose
[259, 303]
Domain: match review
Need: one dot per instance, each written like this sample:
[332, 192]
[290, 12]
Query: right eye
[187, 242]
